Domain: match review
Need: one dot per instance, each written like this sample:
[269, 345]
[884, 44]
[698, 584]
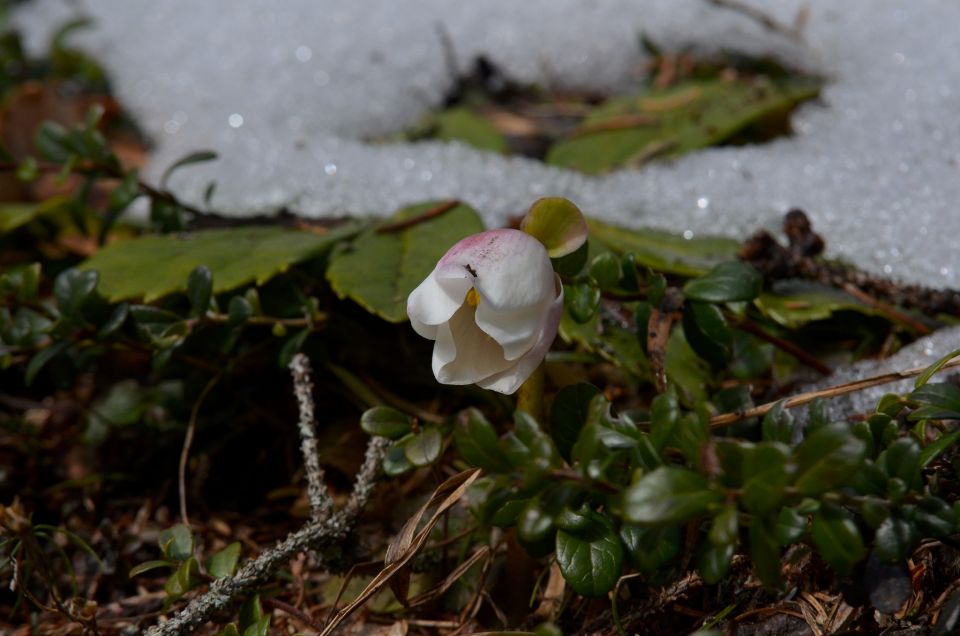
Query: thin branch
[433, 212]
[321, 505]
[725, 419]
[187, 443]
[758, 16]
[784, 345]
[225, 592]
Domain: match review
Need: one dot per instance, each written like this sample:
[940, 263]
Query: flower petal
[435, 300]
[516, 331]
[475, 354]
[509, 380]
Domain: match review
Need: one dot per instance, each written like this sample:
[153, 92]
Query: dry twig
[321, 505]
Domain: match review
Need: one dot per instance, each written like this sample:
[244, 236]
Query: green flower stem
[530, 394]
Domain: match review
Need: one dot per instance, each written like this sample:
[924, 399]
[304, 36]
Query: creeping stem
[530, 394]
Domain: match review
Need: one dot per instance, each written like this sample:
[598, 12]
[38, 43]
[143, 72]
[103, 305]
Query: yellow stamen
[473, 298]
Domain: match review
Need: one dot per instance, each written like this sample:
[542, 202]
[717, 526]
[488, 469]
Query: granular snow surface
[286, 92]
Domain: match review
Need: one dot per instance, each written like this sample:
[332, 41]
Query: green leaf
[605, 269]
[664, 415]
[663, 251]
[424, 447]
[13, 215]
[385, 422]
[463, 125]
[895, 539]
[176, 542]
[395, 461]
[146, 566]
[382, 268]
[765, 550]
[828, 458]
[528, 447]
[714, 560]
[650, 549]
[936, 447]
[40, 360]
[591, 557]
[260, 628]
[791, 525]
[251, 613]
[727, 282]
[557, 223]
[795, 303]
[568, 414]
[238, 311]
[53, 142]
[478, 444]
[154, 266]
[230, 629]
[924, 377]
[725, 527]
[72, 287]
[902, 460]
[668, 495]
[199, 290]
[937, 401]
[707, 332]
[182, 580]
[777, 425]
[934, 517]
[224, 562]
[837, 538]
[582, 300]
[765, 476]
[200, 156]
[629, 131]
[116, 319]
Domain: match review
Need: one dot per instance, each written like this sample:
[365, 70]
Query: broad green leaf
[827, 458]
[902, 460]
[224, 562]
[176, 542]
[385, 422]
[568, 414]
[668, 495]
[663, 251]
[605, 269]
[650, 549]
[664, 415]
[765, 476]
[527, 446]
[590, 557]
[609, 339]
[837, 539]
[557, 223]
[382, 268]
[707, 332]
[72, 287]
[629, 131]
[687, 370]
[478, 443]
[154, 266]
[424, 447]
[733, 281]
[395, 461]
[934, 517]
[725, 527]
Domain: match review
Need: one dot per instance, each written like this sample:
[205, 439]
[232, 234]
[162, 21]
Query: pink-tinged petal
[513, 272]
[509, 380]
[477, 355]
[434, 301]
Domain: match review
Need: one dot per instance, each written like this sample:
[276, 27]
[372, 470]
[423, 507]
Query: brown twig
[293, 611]
[725, 419]
[891, 312]
[784, 345]
[187, 443]
[758, 16]
[433, 212]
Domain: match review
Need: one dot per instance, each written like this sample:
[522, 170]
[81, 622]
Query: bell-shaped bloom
[492, 304]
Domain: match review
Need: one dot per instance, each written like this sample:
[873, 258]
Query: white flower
[492, 304]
